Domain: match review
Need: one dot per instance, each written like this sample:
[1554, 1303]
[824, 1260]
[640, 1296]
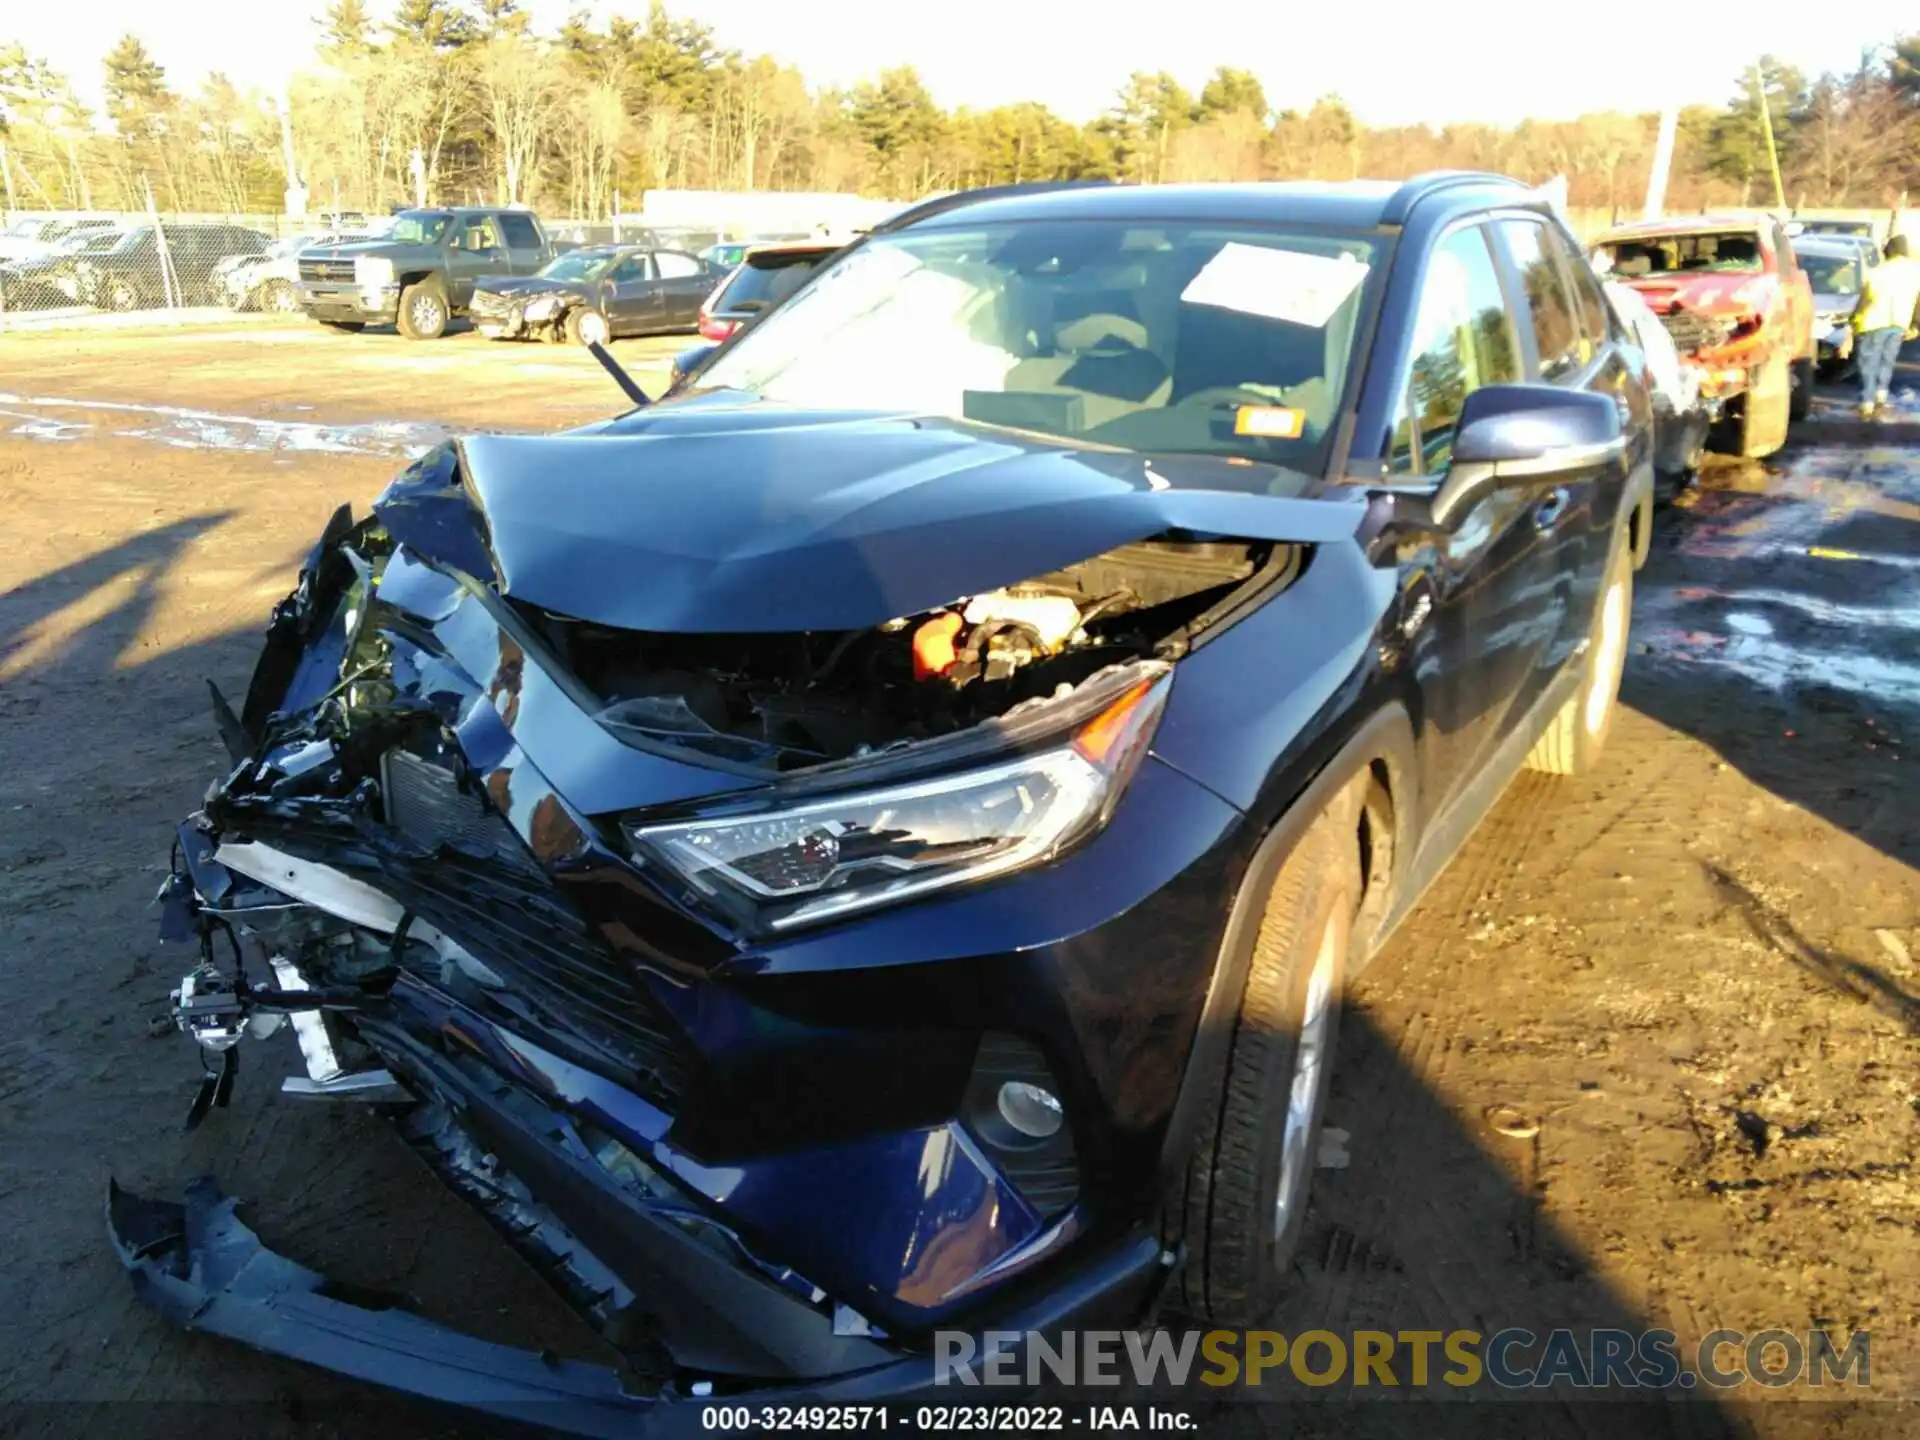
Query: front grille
[329, 271]
[456, 864]
[519, 927]
[1691, 331]
[488, 302]
[427, 808]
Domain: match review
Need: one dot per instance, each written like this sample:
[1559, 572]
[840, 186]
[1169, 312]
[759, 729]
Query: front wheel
[1801, 405]
[1578, 733]
[1767, 410]
[423, 311]
[277, 297]
[586, 326]
[1251, 1171]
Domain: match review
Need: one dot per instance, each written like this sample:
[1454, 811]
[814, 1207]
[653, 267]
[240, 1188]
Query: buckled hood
[741, 520]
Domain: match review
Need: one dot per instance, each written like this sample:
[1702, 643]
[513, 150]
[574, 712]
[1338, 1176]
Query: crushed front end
[614, 921]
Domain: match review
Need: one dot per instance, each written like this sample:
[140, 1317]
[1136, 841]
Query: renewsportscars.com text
[1511, 1359]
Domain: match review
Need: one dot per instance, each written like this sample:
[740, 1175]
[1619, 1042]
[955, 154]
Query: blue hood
[719, 519]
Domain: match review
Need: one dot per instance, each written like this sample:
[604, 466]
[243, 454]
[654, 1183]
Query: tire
[574, 317]
[121, 295]
[276, 297]
[1768, 411]
[1251, 1171]
[1578, 733]
[1801, 403]
[351, 327]
[423, 311]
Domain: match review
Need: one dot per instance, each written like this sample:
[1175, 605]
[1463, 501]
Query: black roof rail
[1419, 187]
[940, 204]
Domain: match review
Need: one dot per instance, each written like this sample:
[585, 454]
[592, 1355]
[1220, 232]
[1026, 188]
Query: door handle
[1551, 508]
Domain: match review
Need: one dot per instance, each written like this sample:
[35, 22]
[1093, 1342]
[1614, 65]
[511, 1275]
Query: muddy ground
[1695, 971]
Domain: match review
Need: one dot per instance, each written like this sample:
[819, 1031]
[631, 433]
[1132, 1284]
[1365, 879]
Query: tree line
[466, 102]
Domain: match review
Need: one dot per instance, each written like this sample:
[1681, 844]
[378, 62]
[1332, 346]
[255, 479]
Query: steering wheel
[1230, 395]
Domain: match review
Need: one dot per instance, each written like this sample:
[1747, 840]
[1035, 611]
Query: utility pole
[1766, 129]
[296, 195]
[1662, 163]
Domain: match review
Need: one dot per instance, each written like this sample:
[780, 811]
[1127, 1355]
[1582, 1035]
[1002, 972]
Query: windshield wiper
[620, 376]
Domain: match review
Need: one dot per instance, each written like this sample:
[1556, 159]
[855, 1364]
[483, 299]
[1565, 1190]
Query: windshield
[1196, 338]
[420, 227]
[1832, 274]
[763, 282]
[28, 229]
[1735, 252]
[583, 265]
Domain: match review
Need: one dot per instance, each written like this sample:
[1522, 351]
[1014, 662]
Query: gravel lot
[1695, 971]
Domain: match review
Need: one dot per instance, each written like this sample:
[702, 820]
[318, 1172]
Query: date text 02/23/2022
[944, 1419]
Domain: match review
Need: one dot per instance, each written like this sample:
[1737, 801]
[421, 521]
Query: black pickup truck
[420, 274]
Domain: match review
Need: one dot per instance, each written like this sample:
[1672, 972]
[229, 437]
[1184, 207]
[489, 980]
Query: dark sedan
[872, 846]
[636, 290]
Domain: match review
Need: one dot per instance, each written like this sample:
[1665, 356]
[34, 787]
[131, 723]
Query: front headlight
[542, 307]
[372, 271]
[806, 863]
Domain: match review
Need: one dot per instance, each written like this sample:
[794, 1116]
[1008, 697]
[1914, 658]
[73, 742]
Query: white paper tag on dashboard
[1288, 285]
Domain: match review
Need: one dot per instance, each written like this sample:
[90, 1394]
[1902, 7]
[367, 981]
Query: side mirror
[1525, 437]
[688, 361]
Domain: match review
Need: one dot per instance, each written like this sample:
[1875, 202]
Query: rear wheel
[423, 310]
[1573, 741]
[1251, 1171]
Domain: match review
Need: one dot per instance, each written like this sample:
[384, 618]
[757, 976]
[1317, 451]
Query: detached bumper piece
[198, 1265]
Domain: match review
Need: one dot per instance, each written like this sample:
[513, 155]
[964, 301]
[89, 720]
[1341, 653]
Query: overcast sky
[1394, 61]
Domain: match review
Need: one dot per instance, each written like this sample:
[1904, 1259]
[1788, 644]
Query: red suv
[1738, 306]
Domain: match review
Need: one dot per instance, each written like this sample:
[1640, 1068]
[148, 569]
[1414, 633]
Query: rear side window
[520, 232]
[1556, 332]
[1587, 297]
[675, 266]
[762, 284]
[1463, 339]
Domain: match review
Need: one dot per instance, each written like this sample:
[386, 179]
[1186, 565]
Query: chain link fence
[73, 262]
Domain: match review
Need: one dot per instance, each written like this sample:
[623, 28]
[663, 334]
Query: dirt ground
[1695, 971]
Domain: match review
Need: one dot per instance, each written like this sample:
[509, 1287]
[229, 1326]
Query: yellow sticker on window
[1272, 422]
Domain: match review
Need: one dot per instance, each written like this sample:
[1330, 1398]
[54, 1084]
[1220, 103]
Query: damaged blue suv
[874, 842]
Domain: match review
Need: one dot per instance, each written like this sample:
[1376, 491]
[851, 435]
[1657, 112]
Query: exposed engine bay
[791, 700]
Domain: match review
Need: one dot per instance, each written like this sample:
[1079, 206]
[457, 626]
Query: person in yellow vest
[1889, 312]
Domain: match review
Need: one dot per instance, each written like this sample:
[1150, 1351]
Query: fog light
[1032, 1111]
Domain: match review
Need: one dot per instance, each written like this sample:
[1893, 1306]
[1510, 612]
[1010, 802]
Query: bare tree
[518, 83]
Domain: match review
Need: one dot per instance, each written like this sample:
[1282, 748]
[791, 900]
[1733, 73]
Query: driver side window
[634, 267]
[1463, 338]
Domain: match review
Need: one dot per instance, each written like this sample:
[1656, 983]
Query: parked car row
[515, 280]
[112, 266]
